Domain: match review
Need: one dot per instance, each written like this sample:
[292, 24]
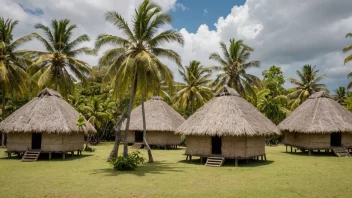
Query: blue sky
[197, 12]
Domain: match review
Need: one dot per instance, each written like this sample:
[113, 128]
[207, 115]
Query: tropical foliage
[233, 65]
[195, 90]
[58, 66]
[134, 61]
[306, 85]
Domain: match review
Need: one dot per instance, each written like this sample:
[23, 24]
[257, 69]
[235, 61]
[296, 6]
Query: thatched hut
[227, 126]
[46, 123]
[161, 122]
[320, 123]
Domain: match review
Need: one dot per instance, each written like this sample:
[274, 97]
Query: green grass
[283, 175]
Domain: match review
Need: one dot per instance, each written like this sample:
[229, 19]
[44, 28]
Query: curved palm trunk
[150, 156]
[115, 149]
[133, 94]
[3, 117]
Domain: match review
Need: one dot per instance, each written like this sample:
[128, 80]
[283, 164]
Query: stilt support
[236, 162]
[63, 155]
[309, 152]
[49, 156]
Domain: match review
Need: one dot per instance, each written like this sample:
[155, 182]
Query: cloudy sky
[288, 34]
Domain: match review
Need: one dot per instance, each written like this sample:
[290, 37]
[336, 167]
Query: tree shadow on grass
[160, 167]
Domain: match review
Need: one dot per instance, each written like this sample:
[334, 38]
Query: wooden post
[291, 149]
[236, 162]
[201, 159]
[72, 153]
[190, 158]
[309, 152]
[49, 156]
[63, 156]
[9, 155]
[264, 157]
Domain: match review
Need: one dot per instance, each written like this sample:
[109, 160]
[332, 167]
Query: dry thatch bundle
[46, 113]
[318, 114]
[159, 116]
[228, 114]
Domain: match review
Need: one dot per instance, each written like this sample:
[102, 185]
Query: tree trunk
[133, 94]
[115, 149]
[3, 117]
[55, 87]
[150, 157]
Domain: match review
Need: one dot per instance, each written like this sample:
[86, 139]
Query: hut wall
[308, 141]
[162, 138]
[19, 142]
[198, 145]
[255, 146]
[319, 140]
[242, 146]
[130, 138]
[346, 139]
[234, 147]
[62, 142]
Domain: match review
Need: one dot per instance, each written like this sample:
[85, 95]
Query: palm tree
[307, 84]
[341, 95]
[13, 78]
[195, 90]
[273, 107]
[97, 115]
[233, 68]
[58, 65]
[136, 57]
[348, 48]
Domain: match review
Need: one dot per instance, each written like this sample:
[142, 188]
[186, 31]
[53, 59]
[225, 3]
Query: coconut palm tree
[307, 84]
[347, 49]
[136, 56]
[195, 90]
[13, 78]
[273, 107]
[58, 65]
[341, 95]
[233, 66]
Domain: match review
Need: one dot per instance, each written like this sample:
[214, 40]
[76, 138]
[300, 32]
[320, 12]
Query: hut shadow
[231, 162]
[56, 157]
[314, 154]
[159, 167]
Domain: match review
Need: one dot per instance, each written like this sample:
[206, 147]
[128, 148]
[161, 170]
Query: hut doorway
[138, 136]
[36, 140]
[335, 139]
[216, 145]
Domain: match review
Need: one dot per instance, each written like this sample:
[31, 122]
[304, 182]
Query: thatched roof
[48, 112]
[318, 114]
[159, 116]
[228, 114]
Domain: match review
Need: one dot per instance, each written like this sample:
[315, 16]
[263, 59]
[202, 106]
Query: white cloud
[205, 11]
[283, 33]
[181, 7]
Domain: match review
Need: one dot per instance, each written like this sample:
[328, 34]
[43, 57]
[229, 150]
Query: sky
[288, 34]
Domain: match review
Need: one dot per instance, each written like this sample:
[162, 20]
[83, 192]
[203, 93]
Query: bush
[129, 163]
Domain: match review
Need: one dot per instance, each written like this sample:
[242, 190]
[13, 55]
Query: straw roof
[48, 112]
[228, 114]
[318, 114]
[159, 116]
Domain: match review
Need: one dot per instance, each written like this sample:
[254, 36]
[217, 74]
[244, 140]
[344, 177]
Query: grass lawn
[283, 175]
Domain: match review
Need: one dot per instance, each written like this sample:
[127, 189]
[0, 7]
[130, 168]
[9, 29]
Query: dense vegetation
[131, 71]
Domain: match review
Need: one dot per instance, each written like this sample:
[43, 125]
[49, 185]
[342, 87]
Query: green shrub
[129, 163]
